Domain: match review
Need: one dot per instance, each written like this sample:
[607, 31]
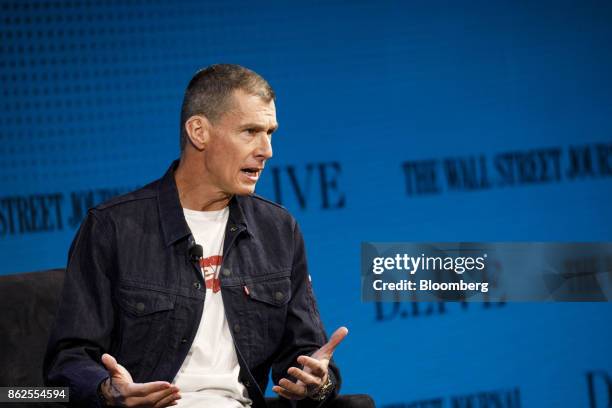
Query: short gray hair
[209, 90]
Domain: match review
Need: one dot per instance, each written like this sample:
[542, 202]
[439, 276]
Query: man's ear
[198, 131]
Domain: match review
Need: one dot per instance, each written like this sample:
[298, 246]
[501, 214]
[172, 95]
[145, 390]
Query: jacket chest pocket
[144, 322]
[267, 303]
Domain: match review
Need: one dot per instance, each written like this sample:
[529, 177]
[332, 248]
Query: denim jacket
[132, 290]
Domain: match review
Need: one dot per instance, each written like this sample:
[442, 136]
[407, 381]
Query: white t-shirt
[209, 374]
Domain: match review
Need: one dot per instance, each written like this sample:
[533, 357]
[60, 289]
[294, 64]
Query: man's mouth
[252, 172]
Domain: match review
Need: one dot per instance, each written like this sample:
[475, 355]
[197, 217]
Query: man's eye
[252, 131]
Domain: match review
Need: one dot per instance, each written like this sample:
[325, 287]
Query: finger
[144, 389]
[305, 377]
[292, 387]
[168, 400]
[316, 367]
[157, 396]
[328, 348]
[147, 401]
[286, 394]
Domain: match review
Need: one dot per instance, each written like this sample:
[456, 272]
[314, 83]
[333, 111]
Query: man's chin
[245, 191]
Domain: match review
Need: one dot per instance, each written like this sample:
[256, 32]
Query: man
[188, 291]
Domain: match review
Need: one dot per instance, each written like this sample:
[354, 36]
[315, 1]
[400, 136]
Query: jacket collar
[172, 218]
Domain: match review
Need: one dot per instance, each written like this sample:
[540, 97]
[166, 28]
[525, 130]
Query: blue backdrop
[407, 121]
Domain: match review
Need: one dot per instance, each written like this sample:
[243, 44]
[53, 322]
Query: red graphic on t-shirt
[210, 268]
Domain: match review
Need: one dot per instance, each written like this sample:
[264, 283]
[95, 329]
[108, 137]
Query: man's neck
[195, 193]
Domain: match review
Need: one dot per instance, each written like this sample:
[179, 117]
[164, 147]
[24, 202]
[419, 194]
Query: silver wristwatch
[323, 391]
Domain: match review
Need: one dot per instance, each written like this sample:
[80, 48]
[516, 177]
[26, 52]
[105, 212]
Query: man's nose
[265, 147]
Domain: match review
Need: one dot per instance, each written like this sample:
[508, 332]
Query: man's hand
[121, 390]
[314, 375]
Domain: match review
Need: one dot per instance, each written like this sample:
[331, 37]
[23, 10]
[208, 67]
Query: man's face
[239, 144]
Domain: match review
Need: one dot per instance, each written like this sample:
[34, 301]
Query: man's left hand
[314, 375]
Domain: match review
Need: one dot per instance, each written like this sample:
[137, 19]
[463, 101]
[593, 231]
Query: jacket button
[227, 272]
[233, 228]
[140, 306]
[247, 383]
[237, 328]
[197, 285]
[279, 295]
[183, 340]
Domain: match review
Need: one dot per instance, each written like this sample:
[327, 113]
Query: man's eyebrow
[259, 127]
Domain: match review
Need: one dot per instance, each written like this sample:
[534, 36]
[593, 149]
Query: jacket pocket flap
[141, 302]
[273, 292]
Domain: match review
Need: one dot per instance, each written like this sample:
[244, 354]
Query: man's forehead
[243, 100]
[247, 107]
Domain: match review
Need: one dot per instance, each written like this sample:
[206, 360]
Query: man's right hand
[121, 390]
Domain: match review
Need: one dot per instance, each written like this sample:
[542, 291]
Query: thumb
[110, 363]
[116, 370]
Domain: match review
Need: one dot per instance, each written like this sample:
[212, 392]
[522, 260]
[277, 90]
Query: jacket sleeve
[84, 321]
[304, 333]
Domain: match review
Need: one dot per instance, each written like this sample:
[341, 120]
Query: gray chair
[28, 302]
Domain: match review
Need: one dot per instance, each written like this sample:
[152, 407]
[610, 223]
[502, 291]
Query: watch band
[324, 390]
